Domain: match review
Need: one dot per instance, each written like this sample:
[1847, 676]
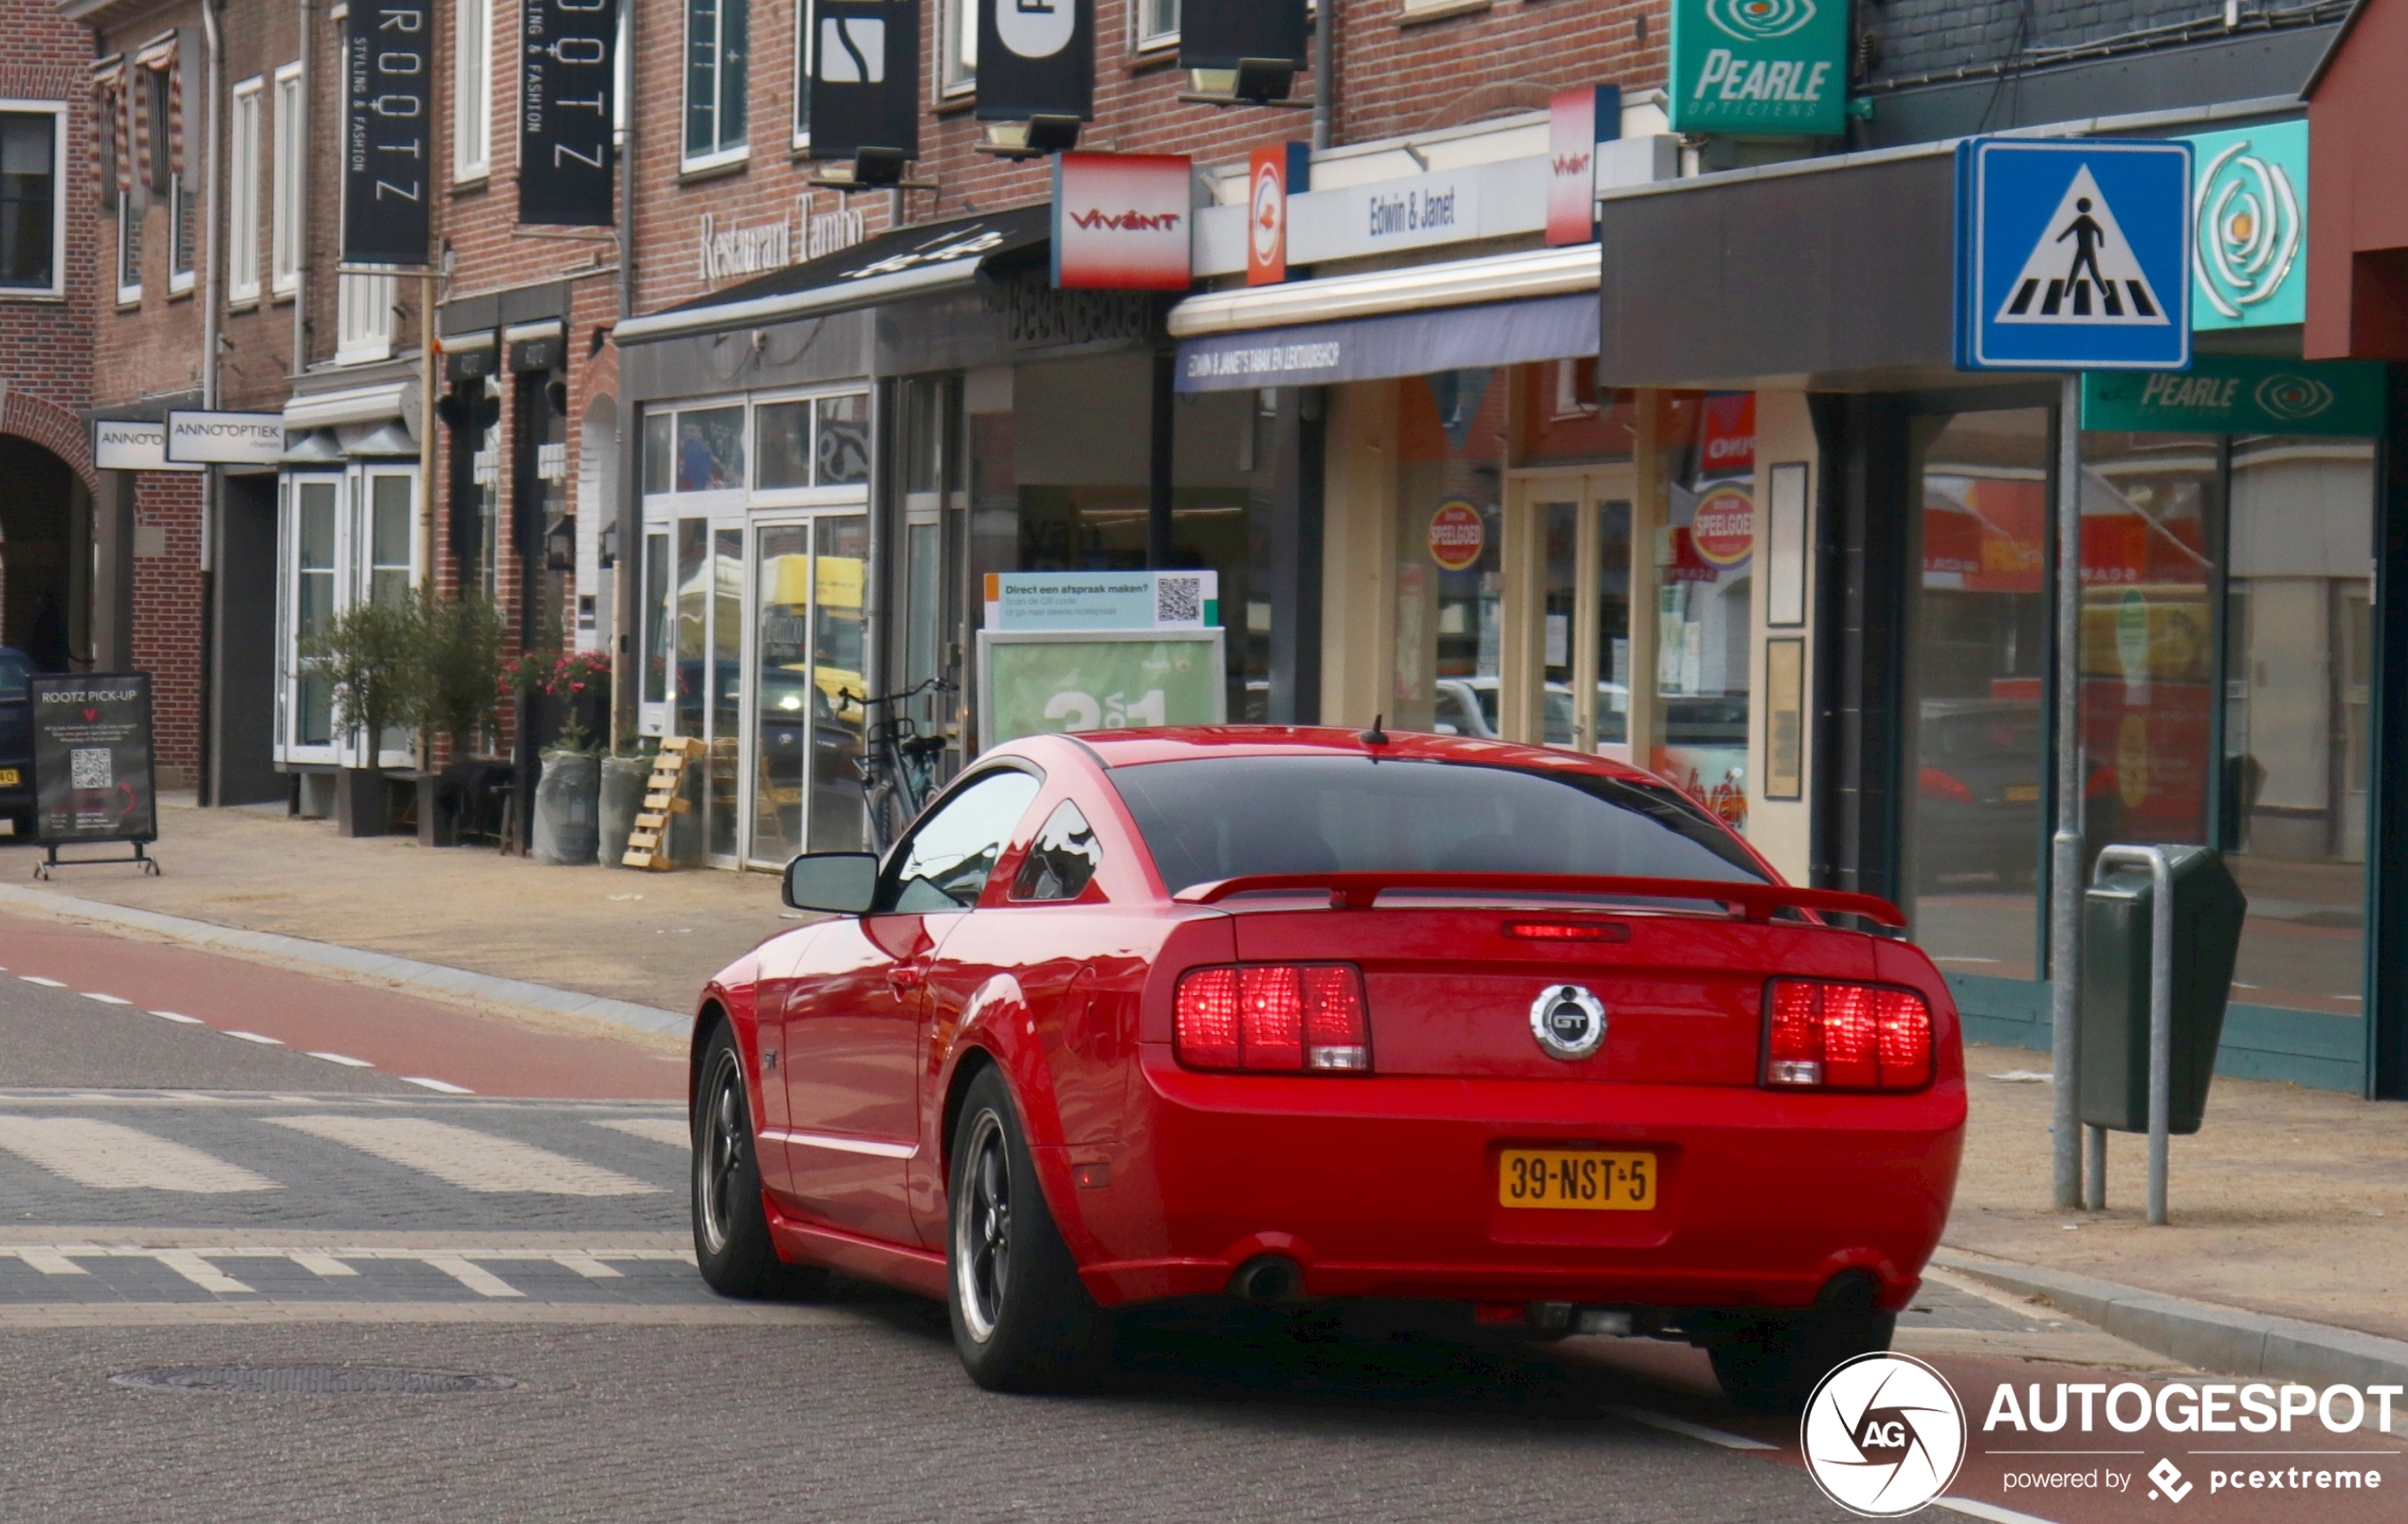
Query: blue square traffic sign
[2072, 254]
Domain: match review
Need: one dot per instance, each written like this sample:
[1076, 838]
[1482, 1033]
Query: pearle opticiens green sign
[2239, 394]
[1766, 69]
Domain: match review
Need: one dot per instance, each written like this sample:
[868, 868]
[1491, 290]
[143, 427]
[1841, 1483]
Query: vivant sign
[1121, 221]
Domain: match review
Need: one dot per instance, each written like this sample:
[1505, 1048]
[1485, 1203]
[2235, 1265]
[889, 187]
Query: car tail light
[1278, 1017]
[1846, 1037]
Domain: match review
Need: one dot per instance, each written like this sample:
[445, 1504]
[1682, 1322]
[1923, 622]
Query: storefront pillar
[1650, 507]
[2386, 1005]
[1861, 546]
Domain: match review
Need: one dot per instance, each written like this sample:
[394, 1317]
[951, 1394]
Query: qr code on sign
[1178, 600]
[89, 766]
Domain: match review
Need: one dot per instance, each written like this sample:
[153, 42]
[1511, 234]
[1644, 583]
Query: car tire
[1773, 1366]
[1022, 1319]
[731, 1224]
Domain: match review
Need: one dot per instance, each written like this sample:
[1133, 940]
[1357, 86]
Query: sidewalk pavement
[2287, 1204]
[646, 939]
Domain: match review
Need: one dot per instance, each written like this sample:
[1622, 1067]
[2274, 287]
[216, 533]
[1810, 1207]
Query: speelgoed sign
[387, 131]
[1768, 69]
[865, 79]
[1036, 58]
[92, 771]
[565, 71]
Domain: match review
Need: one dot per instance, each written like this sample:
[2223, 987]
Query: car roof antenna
[1373, 736]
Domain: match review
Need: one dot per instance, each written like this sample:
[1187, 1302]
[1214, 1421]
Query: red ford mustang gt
[1291, 1015]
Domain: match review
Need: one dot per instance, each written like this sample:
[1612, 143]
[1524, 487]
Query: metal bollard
[2161, 1016]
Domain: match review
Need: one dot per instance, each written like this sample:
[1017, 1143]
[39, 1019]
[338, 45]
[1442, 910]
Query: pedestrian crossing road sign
[2072, 254]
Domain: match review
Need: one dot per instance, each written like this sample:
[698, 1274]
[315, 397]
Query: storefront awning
[355, 405]
[909, 262]
[1500, 310]
[1410, 343]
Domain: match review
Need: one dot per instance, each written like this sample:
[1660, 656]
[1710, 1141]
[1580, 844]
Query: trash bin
[2113, 1034]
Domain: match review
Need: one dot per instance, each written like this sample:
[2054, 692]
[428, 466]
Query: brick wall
[167, 617]
[46, 344]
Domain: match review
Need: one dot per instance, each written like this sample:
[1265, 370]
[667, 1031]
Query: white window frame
[130, 209]
[284, 201]
[1141, 41]
[955, 71]
[727, 154]
[353, 489]
[472, 91]
[364, 317]
[56, 112]
[804, 43]
[180, 282]
[242, 201]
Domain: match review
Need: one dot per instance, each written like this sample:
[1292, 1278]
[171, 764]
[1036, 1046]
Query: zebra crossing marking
[669, 1130]
[108, 1157]
[440, 1087]
[466, 1157]
[179, 1018]
[105, 1000]
[466, 1264]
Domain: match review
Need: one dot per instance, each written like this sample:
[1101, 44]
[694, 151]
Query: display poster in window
[1036, 58]
[387, 131]
[864, 78]
[93, 778]
[566, 69]
[1042, 682]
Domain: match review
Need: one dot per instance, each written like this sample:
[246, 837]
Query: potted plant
[567, 794]
[460, 649]
[370, 656]
[626, 774]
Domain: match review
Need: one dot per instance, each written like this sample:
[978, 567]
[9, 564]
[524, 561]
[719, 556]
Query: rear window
[1227, 817]
[13, 670]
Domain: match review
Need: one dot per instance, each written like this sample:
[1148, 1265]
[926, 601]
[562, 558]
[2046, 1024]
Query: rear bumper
[1388, 1187]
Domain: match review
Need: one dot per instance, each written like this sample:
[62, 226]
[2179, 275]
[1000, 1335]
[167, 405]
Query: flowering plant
[558, 674]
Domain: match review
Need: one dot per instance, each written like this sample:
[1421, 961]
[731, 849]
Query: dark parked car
[1979, 783]
[16, 742]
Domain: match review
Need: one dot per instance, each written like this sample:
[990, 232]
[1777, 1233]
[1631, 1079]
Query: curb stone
[2225, 1339]
[408, 973]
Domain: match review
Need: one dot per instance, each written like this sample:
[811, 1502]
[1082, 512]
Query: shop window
[389, 536]
[717, 56]
[957, 47]
[1560, 416]
[242, 211]
[291, 163]
[658, 621]
[32, 213]
[710, 450]
[1704, 579]
[1977, 670]
[472, 89]
[842, 447]
[2297, 711]
[1448, 635]
[313, 606]
[346, 538]
[364, 317]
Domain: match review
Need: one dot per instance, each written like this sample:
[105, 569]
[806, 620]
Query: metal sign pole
[2065, 855]
[2161, 1026]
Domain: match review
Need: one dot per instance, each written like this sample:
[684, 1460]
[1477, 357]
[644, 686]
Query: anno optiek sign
[1766, 69]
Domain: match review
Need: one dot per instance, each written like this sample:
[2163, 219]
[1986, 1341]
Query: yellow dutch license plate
[2022, 794]
[8, 777]
[1580, 1179]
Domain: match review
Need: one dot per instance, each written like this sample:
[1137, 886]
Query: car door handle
[905, 977]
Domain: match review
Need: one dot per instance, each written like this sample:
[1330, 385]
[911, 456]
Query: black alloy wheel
[1022, 1319]
[731, 1228]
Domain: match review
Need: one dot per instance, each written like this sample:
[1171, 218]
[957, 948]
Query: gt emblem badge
[1567, 1021]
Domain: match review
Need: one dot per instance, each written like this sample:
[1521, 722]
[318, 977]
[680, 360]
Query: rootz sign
[387, 136]
[565, 75]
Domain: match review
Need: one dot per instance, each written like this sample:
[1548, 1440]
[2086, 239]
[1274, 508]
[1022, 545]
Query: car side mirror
[845, 884]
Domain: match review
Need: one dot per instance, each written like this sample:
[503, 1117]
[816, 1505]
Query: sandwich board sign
[94, 780]
[2073, 254]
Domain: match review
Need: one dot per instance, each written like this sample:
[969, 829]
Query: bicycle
[898, 764]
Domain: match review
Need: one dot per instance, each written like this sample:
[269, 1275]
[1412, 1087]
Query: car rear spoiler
[1359, 891]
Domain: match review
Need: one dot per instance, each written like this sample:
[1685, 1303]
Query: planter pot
[360, 807]
[623, 781]
[567, 799]
[438, 812]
